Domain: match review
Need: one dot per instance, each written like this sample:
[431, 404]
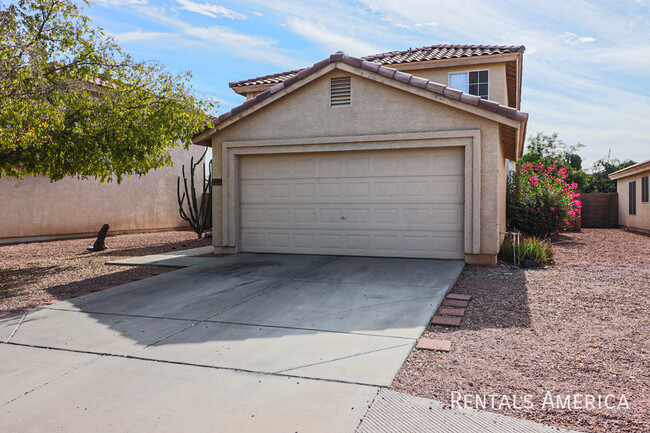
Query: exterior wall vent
[340, 91]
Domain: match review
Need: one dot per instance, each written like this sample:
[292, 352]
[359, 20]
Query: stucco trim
[469, 139]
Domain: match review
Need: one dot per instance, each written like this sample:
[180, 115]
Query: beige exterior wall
[497, 77]
[36, 207]
[642, 218]
[375, 109]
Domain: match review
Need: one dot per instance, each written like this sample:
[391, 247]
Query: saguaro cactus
[199, 209]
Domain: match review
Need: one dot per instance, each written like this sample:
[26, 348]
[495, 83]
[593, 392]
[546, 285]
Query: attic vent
[340, 92]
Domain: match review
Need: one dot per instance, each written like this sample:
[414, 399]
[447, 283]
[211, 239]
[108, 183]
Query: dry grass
[578, 327]
[40, 273]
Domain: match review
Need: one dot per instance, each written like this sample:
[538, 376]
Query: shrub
[540, 202]
[538, 250]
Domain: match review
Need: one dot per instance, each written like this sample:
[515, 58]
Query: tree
[598, 180]
[550, 150]
[72, 103]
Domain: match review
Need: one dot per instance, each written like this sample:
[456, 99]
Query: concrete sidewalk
[173, 259]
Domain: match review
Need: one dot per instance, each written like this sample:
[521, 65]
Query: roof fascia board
[242, 90]
[630, 171]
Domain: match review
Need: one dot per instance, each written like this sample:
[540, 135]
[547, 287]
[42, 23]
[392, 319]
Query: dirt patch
[40, 273]
[578, 327]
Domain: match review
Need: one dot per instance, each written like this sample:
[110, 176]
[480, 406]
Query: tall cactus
[199, 211]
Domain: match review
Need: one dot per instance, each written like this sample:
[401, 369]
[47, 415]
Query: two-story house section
[490, 71]
[399, 154]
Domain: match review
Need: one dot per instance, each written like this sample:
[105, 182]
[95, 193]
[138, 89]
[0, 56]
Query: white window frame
[467, 74]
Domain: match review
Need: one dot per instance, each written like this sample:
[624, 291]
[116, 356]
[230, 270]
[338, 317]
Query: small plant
[199, 209]
[539, 251]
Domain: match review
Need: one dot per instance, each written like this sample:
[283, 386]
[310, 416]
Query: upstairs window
[473, 82]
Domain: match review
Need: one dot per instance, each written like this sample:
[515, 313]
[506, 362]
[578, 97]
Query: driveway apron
[292, 342]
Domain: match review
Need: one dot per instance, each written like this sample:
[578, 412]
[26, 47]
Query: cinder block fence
[599, 210]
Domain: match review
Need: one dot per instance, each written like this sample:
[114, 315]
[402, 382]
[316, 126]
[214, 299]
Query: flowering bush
[539, 200]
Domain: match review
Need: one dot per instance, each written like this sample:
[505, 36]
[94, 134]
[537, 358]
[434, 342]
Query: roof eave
[631, 170]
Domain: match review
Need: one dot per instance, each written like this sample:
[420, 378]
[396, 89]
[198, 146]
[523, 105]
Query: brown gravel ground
[582, 326]
[40, 273]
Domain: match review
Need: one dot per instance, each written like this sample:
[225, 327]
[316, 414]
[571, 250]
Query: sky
[586, 71]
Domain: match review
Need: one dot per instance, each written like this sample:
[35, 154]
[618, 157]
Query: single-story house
[37, 209]
[400, 154]
[633, 198]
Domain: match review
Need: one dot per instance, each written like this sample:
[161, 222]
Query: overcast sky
[586, 66]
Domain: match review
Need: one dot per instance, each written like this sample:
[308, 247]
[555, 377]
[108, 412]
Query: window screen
[459, 82]
[473, 82]
[644, 189]
[632, 198]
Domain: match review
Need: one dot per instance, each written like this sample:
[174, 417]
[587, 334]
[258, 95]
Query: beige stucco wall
[497, 77]
[376, 109]
[37, 207]
[642, 218]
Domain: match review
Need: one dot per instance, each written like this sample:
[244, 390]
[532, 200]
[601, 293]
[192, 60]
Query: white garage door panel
[400, 203]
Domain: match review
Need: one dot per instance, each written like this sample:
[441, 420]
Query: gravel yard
[582, 326]
[40, 273]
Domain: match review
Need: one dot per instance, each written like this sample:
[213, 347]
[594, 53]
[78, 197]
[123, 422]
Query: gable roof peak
[390, 73]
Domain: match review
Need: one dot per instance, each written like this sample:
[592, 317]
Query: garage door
[396, 203]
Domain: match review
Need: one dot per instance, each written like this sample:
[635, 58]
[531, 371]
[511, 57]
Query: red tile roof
[422, 54]
[440, 52]
[412, 80]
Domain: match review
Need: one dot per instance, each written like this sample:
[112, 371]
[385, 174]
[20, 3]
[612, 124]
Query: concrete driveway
[252, 342]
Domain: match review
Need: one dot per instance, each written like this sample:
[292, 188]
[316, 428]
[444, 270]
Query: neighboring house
[37, 209]
[379, 156]
[633, 204]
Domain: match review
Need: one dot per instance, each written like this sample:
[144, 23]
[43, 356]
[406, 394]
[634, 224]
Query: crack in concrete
[22, 319]
[191, 364]
[344, 357]
[227, 322]
[73, 369]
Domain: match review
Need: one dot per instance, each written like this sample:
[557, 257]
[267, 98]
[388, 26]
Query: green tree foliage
[72, 103]
[598, 180]
[550, 150]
